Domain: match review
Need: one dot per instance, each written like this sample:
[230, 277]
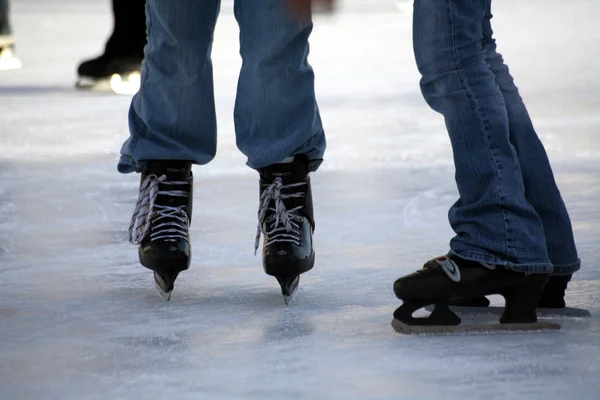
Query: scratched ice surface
[80, 319]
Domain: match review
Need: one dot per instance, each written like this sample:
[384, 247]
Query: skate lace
[283, 224]
[171, 222]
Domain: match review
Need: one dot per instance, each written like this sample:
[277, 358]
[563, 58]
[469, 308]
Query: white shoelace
[146, 211]
[283, 225]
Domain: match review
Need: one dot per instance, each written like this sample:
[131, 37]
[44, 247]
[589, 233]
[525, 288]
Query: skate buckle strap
[451, 269]
[176, 220]
[284, 226]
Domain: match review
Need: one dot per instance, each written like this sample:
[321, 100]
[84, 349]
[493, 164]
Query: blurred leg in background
[7, 40]
[124, 50]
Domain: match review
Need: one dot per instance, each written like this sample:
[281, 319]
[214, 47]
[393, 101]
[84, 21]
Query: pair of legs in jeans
[510, 212]
[173, 125]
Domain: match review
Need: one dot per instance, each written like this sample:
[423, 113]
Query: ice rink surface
[81, 320]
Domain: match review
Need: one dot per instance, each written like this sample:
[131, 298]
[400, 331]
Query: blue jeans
[510, 211]
[172, 117]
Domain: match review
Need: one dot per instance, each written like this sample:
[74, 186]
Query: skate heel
[522, 300]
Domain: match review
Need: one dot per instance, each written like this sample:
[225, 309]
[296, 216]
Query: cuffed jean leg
[172, 117]
[540, 187]
[493, 221]
[276, 114]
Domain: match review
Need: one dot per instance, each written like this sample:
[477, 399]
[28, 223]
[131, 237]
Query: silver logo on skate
[450, 268]
[488, 266]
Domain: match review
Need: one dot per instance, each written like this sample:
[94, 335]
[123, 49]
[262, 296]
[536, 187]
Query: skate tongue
[294, 171]
[174, 170]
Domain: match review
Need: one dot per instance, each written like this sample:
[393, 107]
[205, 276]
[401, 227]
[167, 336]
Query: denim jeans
[5, 28]
[510, 211]
[172, 117]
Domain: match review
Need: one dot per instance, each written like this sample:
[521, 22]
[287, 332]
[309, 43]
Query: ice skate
[285, 218]
[160, 222]
[8, 60]
[120, 74]
[444, 280]
[551, 303]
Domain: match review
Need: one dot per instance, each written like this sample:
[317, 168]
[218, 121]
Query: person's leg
[495, 224]
[172, 125]
[124, 49]
[279, 129]
[540, 187]
[172, 117]
[129, 31]
[276, 114]
[8, 60]
[5, 28]
[493, 221]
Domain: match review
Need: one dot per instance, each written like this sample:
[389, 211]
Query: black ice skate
[446, 279]
[8, 60]
[551, 303]
[285, 217]
[121, 74]
[160, 222]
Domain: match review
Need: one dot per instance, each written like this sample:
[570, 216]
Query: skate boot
[285, 218]
[552, 301]
[161, 220]
[553, 295]
[446, 279]
[8, 60]
[551, 304]
[119, 73]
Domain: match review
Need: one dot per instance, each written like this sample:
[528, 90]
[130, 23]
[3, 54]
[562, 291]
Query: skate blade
[290, 298]
[481, 328]
[9, 62]
[289, 288]
[116, 84]
[541, 312]
[164, 288]
[93, 85]
[128, 86]
[163, 294]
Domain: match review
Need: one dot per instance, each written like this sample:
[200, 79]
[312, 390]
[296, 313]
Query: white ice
[80, 319]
